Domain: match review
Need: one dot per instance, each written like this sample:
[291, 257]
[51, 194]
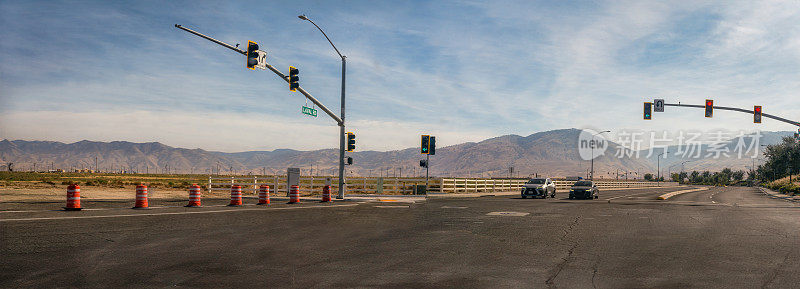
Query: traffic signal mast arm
[282, 76]
[307, 95]
[212, 39]
[737, 109]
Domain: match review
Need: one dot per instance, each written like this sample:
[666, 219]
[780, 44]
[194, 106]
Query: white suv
[539, 188]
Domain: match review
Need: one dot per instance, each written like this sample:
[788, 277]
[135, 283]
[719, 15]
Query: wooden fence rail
[310, 185]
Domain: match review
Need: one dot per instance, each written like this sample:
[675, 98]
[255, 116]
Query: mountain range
[552, 153]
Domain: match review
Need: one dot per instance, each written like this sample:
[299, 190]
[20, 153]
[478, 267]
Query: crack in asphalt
[777, 268]
[551, 280]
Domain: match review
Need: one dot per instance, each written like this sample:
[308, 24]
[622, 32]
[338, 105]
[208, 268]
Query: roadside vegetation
[101, 179]
[725, 177]
[781, 161]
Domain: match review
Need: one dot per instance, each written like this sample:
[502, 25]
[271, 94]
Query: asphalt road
[722, 237]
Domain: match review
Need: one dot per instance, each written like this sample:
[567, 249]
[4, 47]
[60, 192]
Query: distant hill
[551, 153]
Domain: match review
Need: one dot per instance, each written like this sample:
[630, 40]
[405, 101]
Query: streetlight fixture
[341, 125]
[591, 174]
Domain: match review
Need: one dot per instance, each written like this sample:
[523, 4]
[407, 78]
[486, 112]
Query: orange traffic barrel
[194, 196]
[326, 193]
[73, 198]
[263, 195]
[236, 196]
[294, 195]
[141, 197]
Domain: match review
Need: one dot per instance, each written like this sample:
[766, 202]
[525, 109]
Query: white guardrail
[400, 186]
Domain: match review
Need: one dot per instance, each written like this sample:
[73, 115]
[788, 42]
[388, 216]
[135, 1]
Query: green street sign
[309, 111]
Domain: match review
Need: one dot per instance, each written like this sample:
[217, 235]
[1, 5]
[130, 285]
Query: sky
[460, 70]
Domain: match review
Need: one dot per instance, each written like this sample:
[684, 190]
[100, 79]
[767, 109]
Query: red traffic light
[757, 114]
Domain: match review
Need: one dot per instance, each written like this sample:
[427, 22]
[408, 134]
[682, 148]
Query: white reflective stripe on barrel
[74, 191]
[74, 198]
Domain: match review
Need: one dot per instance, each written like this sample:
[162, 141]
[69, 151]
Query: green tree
[781, 160]
[737, 176]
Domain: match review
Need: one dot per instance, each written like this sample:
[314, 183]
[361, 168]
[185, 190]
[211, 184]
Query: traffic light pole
[427, 168]
[739, 110]
[339, 121]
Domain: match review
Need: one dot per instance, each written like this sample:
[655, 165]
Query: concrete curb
[672, 194]
[777, 195]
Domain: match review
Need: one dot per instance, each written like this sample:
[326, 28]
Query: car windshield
[583, 184]
[536, 181]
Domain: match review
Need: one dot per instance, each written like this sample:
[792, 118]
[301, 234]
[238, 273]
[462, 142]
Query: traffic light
[252, 55]
[432, 145]
[423, 163]
[425, 144]
[348, 161]
[648, 110]
[351, 141]
[709, 108]
[294, 78]
[757, 114]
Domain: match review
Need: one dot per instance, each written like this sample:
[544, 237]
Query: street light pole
[658, 175]
[591, 174]
[341, 124]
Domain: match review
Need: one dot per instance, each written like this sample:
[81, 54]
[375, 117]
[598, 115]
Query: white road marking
[451, 207]
[173, 213]
[392, 206]
[20, 211]
[510, 214]
[629, 195]
[672, 194]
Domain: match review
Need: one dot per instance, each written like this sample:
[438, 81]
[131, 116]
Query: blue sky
[460, 70]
